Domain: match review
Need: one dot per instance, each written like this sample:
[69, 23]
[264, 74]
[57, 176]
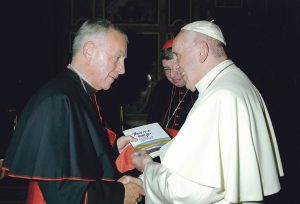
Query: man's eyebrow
[175, 53]
[121, 53]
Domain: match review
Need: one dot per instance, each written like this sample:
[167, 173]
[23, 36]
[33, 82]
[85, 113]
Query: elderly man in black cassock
[61, 141]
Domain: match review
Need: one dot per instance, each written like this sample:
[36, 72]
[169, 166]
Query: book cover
[151, 138]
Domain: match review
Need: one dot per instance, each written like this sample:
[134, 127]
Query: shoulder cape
[58, 136]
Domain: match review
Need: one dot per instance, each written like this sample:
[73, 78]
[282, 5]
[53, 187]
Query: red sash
[34, 194]
[172, 132]
[111, 136]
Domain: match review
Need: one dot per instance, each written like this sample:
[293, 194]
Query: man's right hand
[133, 193]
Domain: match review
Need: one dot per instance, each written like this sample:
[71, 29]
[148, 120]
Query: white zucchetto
[206, 27]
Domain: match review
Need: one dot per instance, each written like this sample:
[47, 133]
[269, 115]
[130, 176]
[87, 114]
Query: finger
[140, 155]
[142, 191]
[124, 179]
[136, 180]
[136, 154]
[131, 138]
[143, 152]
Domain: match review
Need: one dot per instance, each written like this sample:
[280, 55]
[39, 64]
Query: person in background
[60, 141]
[226, 151]
[170, 101]
[169, 104]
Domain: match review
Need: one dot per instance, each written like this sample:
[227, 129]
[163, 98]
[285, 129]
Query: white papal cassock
[226, 152]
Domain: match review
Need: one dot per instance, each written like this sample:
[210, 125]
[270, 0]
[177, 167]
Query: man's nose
[173, 72]
[121, 68]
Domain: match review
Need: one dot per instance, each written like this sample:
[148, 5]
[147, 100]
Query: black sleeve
[106, 192]
[115, 149]
[73, 192]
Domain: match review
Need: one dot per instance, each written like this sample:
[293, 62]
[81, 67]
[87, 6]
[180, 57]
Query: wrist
[147, 163]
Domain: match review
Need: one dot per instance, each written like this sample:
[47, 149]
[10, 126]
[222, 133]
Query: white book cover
[151, 138]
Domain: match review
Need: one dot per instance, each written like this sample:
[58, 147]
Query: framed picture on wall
[132, 11]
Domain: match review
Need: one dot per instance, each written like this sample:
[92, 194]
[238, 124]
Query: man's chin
[107, 84]
[106, 87]
[178, 83]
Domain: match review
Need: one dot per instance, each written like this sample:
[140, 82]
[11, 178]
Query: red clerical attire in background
[169, 106]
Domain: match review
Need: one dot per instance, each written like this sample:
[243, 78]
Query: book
[151, 138]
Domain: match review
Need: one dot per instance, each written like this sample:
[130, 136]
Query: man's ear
[89, 50]
[203, 51]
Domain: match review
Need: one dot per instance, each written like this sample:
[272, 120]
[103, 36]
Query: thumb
[131, 138]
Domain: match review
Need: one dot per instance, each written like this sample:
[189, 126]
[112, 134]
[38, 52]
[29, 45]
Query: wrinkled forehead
[115, 39]
[182, 40]
[115, 35]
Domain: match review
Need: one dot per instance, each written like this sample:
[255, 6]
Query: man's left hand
[140, 160]
[124, 141]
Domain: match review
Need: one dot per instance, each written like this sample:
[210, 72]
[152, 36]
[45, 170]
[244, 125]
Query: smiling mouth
[176, 80]
[114, 77]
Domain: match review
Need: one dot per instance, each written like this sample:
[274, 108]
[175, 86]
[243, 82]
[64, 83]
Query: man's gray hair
[92, 28]
[217, 47]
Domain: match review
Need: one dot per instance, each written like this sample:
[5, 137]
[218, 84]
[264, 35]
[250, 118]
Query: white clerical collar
[211, 75]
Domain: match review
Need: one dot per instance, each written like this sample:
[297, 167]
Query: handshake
[134, 190]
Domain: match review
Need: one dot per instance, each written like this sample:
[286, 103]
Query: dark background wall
[262, 38]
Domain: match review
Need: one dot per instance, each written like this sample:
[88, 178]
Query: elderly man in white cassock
[226, 151]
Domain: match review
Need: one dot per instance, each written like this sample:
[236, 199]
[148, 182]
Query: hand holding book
[150, 138]
[140, 160]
